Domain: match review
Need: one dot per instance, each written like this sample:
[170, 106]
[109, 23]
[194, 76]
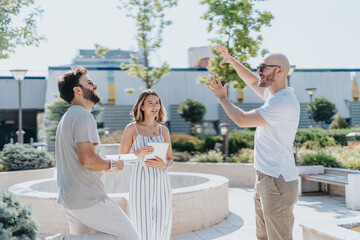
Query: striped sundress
[150, 195]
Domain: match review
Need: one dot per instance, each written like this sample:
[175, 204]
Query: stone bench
[320, 179]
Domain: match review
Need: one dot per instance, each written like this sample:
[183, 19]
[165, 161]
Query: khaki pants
[274, 203]
[104, 220]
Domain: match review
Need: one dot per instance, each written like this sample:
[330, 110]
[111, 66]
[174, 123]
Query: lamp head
[19, 74]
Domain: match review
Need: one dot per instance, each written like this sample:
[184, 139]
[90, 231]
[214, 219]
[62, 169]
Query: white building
[180, 84]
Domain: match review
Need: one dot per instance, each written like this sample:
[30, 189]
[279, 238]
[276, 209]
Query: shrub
[114, 137]
[347, 157]
[3, 168]
[318, 158]
[211, 156]
[25, 157]
[239, 139]
[319, 135]
[181, 156]
[338, 123]
[183, 142]
[211, 141]
[16, 221]
[245, 155]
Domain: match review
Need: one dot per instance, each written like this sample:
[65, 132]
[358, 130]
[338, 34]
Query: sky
[311, 33]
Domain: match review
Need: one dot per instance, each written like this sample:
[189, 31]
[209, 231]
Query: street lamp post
[310, 92]
[198, 129]
[291, 71]
[224, 130]
[19, 75]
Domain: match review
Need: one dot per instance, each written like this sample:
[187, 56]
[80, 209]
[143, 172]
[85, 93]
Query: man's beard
[90, 95]
[268, 80]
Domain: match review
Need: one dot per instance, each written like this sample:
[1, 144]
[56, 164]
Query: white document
[127, 158]
[160, 150]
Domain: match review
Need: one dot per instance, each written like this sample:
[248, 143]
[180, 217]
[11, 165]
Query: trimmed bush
[181, 156]
[211, 156]
[24, 157]
[182, 142]
[16, 221]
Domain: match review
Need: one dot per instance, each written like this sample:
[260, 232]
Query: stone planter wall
[14, 177]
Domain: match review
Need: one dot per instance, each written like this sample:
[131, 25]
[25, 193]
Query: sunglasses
[88, 82]
[263, 66]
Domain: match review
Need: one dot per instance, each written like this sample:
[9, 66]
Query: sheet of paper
[160, 150]
[127, 158]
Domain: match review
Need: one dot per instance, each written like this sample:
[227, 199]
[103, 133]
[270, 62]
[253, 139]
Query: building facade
[180, 84]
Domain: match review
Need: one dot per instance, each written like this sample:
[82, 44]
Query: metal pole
[226, 137]
[288, 81]
[20, 133]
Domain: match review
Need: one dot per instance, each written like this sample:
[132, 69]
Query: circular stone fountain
[199, 200]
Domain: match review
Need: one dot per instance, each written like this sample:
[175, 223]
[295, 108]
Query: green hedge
[183, 142]
[323, 136]
[314, 138]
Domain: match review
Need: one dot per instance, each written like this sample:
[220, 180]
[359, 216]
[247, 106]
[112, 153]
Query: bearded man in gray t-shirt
[80, 169]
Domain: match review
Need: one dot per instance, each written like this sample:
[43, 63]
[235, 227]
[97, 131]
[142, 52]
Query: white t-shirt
[273, 144]
[79, 186]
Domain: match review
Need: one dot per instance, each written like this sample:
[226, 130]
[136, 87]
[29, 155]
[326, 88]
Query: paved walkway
[241, 222]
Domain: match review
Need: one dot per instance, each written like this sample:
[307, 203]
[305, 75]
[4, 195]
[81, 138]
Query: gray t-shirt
[79, 186]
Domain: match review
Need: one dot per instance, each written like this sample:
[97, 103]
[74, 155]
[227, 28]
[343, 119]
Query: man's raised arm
[244, 73]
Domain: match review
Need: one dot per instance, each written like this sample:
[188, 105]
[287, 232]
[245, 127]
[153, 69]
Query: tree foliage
[13, 35]
[192, 110]
[236, 24]
[150, 22]
[55, 111]
[321, 110]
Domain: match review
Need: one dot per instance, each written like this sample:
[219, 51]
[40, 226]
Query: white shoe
[58, 236]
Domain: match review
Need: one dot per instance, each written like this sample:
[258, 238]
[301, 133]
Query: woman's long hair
[138, 114]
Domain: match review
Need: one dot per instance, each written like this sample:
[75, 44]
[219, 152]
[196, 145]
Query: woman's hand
[144, 151]
[156, 163]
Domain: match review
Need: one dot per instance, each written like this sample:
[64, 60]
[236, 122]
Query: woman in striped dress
[150, 188]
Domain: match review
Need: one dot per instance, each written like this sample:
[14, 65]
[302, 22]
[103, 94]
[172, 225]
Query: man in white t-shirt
[91, 213]
[276, 121]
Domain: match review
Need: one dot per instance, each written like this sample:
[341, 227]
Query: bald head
[278, 59]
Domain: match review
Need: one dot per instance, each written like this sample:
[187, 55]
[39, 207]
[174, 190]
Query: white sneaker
[58, 236]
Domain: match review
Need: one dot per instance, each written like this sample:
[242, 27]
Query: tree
[321, 110]
[12, 36]
[55, 111]
[150, 22]
[236, 24]
[192, 111]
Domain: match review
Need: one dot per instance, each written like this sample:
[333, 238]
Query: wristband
[111, 165]
[166, 166]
